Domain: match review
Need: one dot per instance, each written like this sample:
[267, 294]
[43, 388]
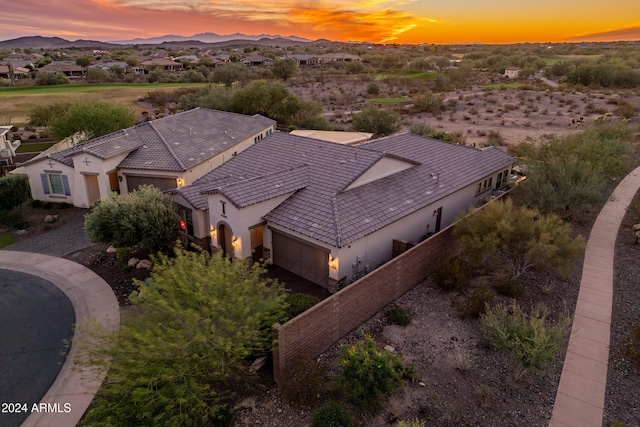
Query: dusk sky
[380, 21]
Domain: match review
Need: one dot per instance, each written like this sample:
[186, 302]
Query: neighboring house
[68, 68]
[339, 137]
[257, 61]
[162, 63]
[512, 73]
[18, 72]
[339, 57]
[7, 147]
[331, 212]
[302, 60]
[168, 152]
[108, 65]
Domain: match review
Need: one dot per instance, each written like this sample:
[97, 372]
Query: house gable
[386, 166]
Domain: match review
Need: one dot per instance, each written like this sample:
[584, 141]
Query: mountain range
[37, 42]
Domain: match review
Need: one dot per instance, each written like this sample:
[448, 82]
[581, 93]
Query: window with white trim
[55, 183]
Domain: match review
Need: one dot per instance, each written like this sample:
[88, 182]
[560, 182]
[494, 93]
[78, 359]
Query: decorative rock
[421, 384]
[21, 232]
[111, 249]
[133, 262]
[258, 364]
[49, 219]
[636, 227]
[389, 348]
[145, 263]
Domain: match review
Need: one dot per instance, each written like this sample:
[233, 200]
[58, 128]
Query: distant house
[18, 72]
[512, 73]
[339, 57]
[330, 212]
[7, 147]
[257, 61]
[162, 63]
[108, 65]
[302, 60]
[167, 153]
[68, 68]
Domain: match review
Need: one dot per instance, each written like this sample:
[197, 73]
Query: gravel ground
[622, 400]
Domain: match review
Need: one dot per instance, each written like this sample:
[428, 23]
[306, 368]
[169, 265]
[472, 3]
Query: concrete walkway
[581, 392]
[93, 301]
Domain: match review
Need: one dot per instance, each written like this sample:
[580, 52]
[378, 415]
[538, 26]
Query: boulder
[133, 262]
[258, 364]
[21, 232]
[111, 249]
[145, 263]
[49, 219]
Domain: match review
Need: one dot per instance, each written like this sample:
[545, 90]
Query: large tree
[285, 68]
[94, 118]
[522, 235]
[377, 121]
[270, 99]
[177, 360]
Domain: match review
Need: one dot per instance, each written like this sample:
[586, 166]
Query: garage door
[306, 261]
[135, 181]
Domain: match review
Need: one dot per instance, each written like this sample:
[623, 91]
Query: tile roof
[174, 143]
[324, 208]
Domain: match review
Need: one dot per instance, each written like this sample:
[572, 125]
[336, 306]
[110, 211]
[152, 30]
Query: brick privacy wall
[308, 335]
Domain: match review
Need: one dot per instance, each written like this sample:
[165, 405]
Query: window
[55, 183]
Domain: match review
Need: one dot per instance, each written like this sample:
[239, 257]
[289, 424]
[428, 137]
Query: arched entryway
[224, 240]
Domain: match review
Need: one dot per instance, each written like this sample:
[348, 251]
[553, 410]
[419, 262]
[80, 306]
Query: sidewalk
[581, 392]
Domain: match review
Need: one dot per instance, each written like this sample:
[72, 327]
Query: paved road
[62, 241]
[36, 321]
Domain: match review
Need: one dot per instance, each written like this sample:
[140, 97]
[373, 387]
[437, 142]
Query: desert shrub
[331, 414]
[368, 374]
[532, 340]
[123, 254]
[626, 110]
[303, 383]
[476, 304]
[378, 121]
[14, 190]
[632, 345]
[373, 88]
[511, 288]
[485, 395]
[421, 129]
[398, 315]
[428, 102]
[299, 303]
[452, 275]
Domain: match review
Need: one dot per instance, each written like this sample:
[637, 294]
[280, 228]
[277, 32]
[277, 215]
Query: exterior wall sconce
[235, 242]
[333, 262]
[120, 178]
[180, 182]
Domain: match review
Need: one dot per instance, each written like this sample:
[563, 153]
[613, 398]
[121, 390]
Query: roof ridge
[164, 141]
[336, 220]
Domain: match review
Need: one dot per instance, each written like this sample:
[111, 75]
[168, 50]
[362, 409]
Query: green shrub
[373, 89]
[14, 190]
[331, 414]
[398, 315]
[511, 288]
[452, 275]
[123, 254]
[476, 304]
[368, 373]
[13, 219]
[532, 340]
[298, 303]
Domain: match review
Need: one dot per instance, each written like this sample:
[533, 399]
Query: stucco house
[512, 72]
[257, 61]
[331, 212]
[161, 63]
[7, 147]
[169, 152]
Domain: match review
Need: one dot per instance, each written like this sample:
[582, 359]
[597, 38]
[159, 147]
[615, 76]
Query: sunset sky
[380, 21]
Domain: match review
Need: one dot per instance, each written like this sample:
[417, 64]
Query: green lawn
[6, 239]
[83, 88]
[389, 100]
[33, 148]
[408, 74]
